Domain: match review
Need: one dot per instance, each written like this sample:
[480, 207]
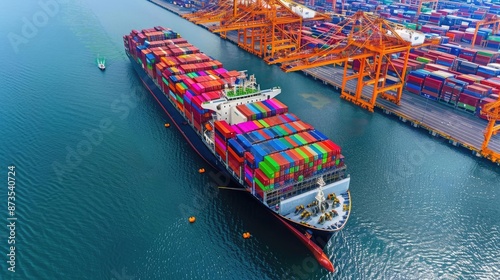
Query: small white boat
[101, 63]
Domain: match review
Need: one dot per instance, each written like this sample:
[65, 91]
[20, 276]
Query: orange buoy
[201, 170]
[246, 235]
[192, 219]
[167, 125]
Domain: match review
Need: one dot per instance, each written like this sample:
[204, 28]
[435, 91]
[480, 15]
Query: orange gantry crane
[432, 4]
[490, 20]
[211, 13]
[334, 6]
[370, 40]
[262, 27]
[492, 110]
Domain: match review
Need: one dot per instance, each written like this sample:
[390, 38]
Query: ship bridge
[247, 91]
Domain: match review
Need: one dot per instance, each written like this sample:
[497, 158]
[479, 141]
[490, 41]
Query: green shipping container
[271, 164]
[411, 26]
[262, 110]
[299, 139]
[266, 169]
[286, 143]
[494, 38]
[488, 54]
[321, 150]
[281, 131]
[179, 99]
[264, 188]
[313, 152]
[423, 59]
[304, 156]
[262, 122]
[467, 107]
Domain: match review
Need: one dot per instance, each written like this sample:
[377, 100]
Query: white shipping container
[237, 116]
[300, 10]
[494, 65]
[412, 36]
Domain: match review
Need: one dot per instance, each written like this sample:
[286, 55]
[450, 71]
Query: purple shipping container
[236, 129]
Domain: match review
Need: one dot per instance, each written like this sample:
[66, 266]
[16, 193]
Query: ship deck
[310, 215]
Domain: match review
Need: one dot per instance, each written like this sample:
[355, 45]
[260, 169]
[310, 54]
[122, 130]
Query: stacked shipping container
[277, 151]
[268, 147]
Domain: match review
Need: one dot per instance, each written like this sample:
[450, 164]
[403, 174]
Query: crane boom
[492, 111]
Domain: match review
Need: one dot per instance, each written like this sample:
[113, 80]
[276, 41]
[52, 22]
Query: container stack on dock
[434, 72]
[459, 90]
[454, 75]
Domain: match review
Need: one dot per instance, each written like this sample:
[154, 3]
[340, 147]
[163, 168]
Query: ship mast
[320, 197]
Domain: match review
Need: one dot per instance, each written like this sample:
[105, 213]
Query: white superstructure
[246, 91]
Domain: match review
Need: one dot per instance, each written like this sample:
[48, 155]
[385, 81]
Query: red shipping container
[468, 99]
[295, 159]
[483, 102]
[235, 156]
[335, 148]
[299, 157]
[287, 138]
[262, 177]
[413, 91]
[309, 155]
[282, 162]
[432, 82]
[491, 83]
[249, 157]
[415, 80]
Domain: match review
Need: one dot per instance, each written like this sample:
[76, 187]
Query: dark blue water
[103, 190]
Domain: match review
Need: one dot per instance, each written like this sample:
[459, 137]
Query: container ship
[289, 167]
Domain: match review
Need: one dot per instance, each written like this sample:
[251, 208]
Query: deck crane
[263, 27]
[492, 111]
[372, 41]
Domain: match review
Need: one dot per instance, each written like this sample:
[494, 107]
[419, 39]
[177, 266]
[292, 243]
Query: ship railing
[231, 172]
[272, 197]
[260, 92]
[209, 136]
